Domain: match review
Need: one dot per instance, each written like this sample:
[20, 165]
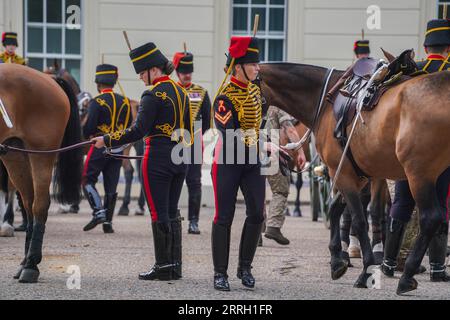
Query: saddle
[365, 82]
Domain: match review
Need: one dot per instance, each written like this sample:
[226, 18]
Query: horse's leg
[431, 217]
[360, 226]
[42, 169]
[339, 265]
[298, 185]
[19, 170]
[7, 228]
[345, 234]
[376, 212]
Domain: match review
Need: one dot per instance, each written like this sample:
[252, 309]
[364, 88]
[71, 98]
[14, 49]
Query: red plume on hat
[3, 36]
[239, 46]
[177, 58]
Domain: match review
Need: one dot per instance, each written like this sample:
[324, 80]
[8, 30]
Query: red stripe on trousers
[146, 179]
[86, 163]
[447, 204]
[218, 150]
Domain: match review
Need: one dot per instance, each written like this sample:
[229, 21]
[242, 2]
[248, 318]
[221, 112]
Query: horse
[404, 137]
[7, 229]
[44, 113]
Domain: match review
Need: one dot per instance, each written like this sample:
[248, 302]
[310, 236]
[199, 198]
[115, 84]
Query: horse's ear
[388, 56]
[56, 64]
[412, 54]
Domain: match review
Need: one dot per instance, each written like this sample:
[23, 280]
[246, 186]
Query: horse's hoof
[29, 276]
[18, 273]
[361, 283]
[406, 285]
[6, 230]
[338, 269]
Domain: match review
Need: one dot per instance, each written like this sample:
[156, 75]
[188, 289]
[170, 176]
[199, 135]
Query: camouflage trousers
[411, 233]
[279, 185]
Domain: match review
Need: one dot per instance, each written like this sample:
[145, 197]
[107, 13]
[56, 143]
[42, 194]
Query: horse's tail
[67, 179]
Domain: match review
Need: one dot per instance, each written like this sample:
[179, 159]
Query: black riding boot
[99, 214]
[394, 238]
[221, 252]
[247, 250]
[124, 210]
[23, 226]
[195, 200]
[110, 206]
[163, 268]
[177, 248]
[438, 252]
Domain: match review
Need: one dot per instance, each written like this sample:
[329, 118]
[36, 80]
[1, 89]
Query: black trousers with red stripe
[227, 180]
[162, 179]
[97, 163]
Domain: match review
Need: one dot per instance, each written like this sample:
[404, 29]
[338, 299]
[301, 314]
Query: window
[272, 25]
[441, 5]
[53, 32]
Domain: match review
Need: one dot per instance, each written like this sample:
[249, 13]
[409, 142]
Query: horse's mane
[291, 64]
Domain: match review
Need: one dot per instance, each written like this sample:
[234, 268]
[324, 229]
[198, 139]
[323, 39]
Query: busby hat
[106, 74]
[184, 62]
[244, 50]
[146, 57]
[9, 39]
[438, 33]
[362, 47]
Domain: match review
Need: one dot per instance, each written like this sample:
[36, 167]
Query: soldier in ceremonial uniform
[162, 118]
[9, 42]
[437, 46]
[201, 115]
[107, 113]
[238, 112]
[362, 49]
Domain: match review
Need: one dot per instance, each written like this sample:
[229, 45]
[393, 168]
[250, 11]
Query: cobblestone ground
[109, 264]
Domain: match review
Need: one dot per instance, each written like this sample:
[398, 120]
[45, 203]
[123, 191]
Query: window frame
[266, 34]
[63, 56]
[441, 4]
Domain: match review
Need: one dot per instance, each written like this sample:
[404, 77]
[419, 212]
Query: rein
[4, 149]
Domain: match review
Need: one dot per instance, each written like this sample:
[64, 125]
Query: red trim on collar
[435, 57]
[186, 86]
[107, 91]
[160, 79]
[239, 83]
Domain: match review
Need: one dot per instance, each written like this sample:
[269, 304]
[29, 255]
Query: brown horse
[405, 137]
[44, 114]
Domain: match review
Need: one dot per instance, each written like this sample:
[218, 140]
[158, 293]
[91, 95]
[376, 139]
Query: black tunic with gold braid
[107, 113]
[163, 112]
[434, 63]
[239, 107]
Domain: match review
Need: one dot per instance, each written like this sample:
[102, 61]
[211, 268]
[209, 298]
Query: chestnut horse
[44, 114]
[405, 137]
